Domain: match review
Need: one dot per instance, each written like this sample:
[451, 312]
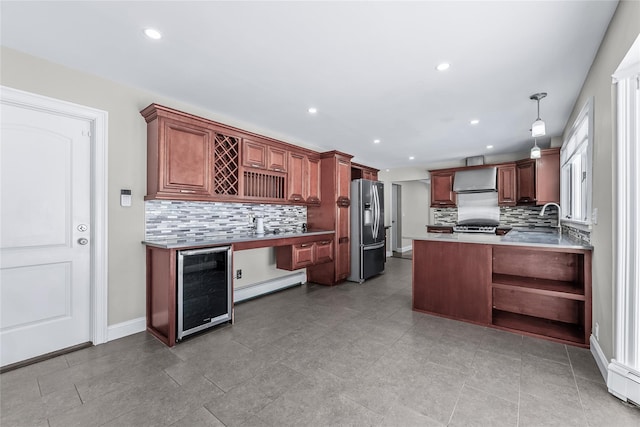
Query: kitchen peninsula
[537, 283]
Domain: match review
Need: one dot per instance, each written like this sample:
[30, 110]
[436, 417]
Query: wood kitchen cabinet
[303, 179]
[442, 194]
[333, 214]
[297, 181]
[452, 279]
[537, 291]
[507, 194]
[553, 301]
[304, 255]
[263, 156]
[179, 150]
[359, 171]
[314, 178]
[538, 180]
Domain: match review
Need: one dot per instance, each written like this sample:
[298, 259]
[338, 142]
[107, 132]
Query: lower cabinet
[452, 279]
[294, 257]
[187, 291]
[545, 292]
[536, 291]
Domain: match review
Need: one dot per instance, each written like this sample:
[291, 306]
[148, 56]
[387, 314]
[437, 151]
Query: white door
[45, 212]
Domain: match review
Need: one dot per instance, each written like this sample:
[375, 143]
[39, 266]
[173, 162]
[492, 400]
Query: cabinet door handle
[326, 242]
[305, 245]
[187, 191]
[254, 165]
[277, 169]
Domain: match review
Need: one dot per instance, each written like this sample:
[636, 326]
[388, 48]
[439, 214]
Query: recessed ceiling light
[444, 66]
[474, 121]
[312, 110]
[152, 33]
[387, 170]
[489, 147]
[376, 141]
[411, 157]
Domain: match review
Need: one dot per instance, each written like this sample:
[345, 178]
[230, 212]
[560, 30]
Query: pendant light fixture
[538, 128]
[535, 150]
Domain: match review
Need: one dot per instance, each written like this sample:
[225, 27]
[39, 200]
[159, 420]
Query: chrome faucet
[559, 214]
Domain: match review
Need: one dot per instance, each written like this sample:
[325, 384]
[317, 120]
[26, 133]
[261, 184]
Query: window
[575, 166]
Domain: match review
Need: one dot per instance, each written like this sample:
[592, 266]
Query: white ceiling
[369, 67]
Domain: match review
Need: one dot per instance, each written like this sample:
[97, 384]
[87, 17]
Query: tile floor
[315, 356]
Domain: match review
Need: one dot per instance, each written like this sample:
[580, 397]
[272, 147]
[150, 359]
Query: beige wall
[127, 169]
[623, 30]
[416, 199]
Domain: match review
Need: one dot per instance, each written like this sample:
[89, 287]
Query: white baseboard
[405, 249]
[252, 291]
[129, 327]
[389, 254]
[624, 382]
[600, 358]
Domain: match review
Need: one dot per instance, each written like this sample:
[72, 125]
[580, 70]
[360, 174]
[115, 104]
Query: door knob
[82, 227]
[83, 241]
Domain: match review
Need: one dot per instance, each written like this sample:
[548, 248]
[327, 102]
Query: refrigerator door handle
[377, 211]
[373, 247]
[374, 192]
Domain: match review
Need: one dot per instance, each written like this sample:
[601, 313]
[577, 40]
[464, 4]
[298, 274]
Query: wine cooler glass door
[204, 289]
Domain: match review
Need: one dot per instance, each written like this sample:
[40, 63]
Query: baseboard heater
[268, 286]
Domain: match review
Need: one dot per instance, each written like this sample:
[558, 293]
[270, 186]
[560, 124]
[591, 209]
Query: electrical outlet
[596, 331]
[594, 216]
[239, 274]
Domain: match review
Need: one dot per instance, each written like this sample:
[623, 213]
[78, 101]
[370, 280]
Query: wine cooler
[204, 289]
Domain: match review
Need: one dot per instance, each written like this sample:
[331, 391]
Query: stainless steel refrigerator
[368, 253]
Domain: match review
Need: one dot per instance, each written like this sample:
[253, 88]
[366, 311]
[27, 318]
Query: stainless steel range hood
[475, 180]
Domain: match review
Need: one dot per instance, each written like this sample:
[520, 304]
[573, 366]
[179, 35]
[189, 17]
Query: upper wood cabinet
[276, 159]
[178, 156]
[526, 181]
[263, 156]
[442, 194]
[359, 171]
[297, 182]
[192, 158]
[314, 178]
[507, 194]
[343, 179]
[254, 154]
[538, 180]
[303, 179]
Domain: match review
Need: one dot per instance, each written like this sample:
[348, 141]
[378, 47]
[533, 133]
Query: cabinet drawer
[302, 255]
[294, 257]
[542, 306]
[324, 251]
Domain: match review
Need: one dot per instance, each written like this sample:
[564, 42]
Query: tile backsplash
[517, 216]
[168, 219]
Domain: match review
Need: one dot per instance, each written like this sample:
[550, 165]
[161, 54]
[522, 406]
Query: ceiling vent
[475, 161]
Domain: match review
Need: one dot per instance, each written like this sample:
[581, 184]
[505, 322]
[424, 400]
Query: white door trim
[98, 119]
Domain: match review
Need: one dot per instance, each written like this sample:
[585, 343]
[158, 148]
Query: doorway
[53, 226]
[396, 218]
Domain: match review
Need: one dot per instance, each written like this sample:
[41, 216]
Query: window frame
[568, 153]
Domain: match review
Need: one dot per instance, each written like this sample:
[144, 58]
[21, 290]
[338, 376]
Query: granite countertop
[226, 239]
[542, 237]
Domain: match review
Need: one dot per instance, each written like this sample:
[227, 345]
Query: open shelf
[537, 326]
[555, 288]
